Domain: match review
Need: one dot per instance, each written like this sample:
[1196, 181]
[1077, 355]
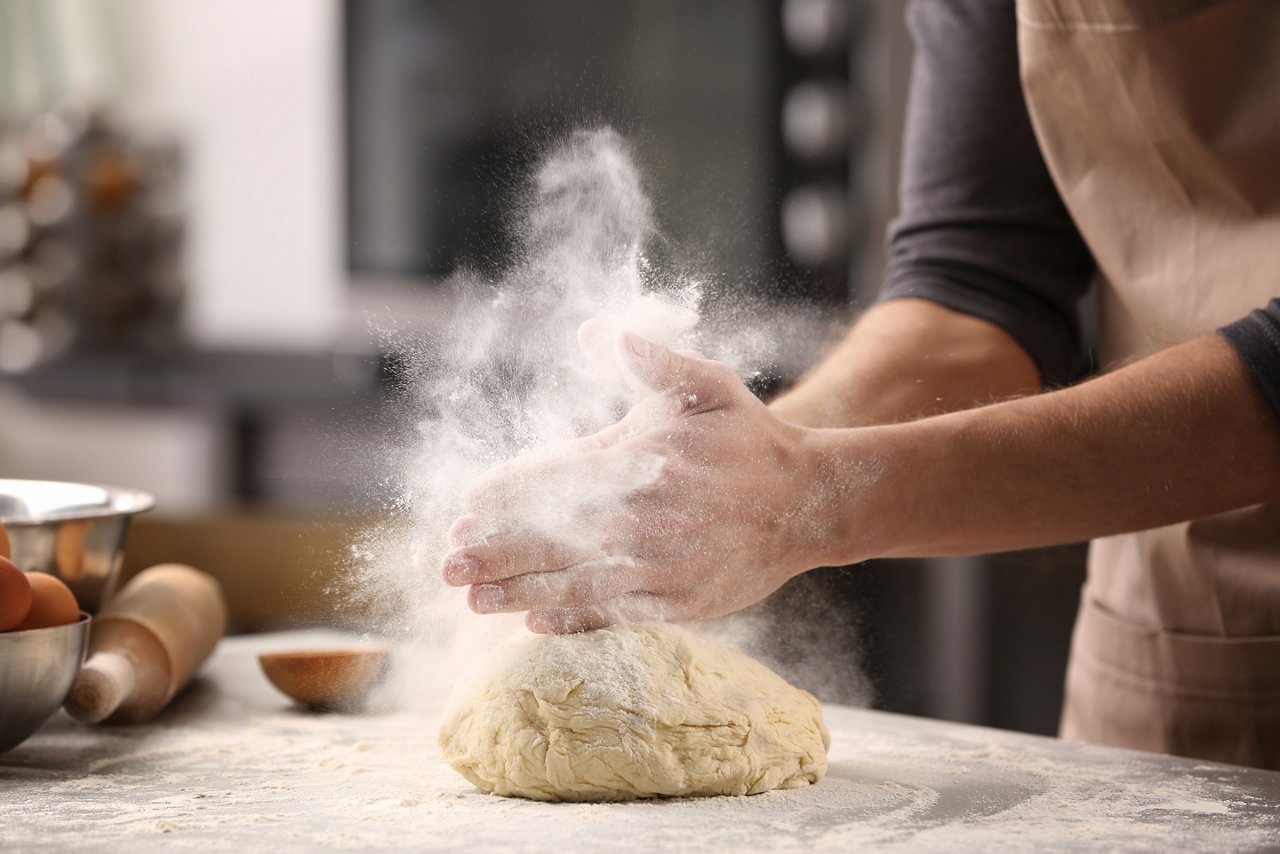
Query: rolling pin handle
[106, 679]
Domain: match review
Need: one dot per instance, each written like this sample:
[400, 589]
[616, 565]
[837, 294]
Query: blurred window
[450, 102]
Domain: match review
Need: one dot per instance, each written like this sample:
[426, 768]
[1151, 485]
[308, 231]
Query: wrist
[848, 503]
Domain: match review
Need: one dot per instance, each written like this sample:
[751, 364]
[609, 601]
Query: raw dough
[625, 713]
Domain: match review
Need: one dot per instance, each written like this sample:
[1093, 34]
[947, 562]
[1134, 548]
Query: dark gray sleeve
[982, 229]
[1256, 340]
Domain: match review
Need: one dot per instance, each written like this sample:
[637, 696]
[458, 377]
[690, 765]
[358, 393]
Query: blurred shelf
[262, 379]
[297, 431]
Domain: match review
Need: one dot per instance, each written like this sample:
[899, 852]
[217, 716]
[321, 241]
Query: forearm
[906, 359]
[1180, 435]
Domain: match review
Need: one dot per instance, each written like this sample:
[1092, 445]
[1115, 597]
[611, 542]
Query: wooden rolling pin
[147, 644]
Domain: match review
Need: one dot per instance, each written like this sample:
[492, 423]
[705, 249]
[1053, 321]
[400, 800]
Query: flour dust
[509, 377]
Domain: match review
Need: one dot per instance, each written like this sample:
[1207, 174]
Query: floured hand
[694, 505]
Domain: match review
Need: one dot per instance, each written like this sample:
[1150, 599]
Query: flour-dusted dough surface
[626, 713]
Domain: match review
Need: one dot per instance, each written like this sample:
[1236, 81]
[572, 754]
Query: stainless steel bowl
[37, 668]
[72, 530]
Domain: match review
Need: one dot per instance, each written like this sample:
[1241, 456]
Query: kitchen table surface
[232, 765]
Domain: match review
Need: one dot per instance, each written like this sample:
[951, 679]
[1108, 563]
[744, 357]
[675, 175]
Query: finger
[513, 488]
[606, 438]
[468, 530]
[597, 338]
[692, 384]
[575, 587]
[657, 367]
[501, 556]
[636, 607]
[513, 483]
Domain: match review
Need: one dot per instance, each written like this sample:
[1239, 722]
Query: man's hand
[692, 506]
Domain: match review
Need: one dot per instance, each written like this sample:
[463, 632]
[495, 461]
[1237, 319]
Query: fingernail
[540, 623]
[488, 597]
[461, 570]
[640, 346]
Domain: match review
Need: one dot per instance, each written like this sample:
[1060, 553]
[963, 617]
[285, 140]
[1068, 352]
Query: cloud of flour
[508, 377]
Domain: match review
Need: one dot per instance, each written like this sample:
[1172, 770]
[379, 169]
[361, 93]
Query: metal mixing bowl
[72, 530]
[37, 668]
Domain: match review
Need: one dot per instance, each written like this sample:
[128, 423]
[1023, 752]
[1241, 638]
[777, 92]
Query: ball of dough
[625, 713]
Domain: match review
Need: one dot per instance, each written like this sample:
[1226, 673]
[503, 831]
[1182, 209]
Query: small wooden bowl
[326, 679]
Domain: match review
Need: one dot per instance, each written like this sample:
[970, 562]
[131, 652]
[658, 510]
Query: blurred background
[208, 207]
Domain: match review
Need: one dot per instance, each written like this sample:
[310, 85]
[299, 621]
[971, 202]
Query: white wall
[253, 88]
[179, 456]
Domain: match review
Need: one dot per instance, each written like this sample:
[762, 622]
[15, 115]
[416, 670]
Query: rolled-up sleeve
[982, 228]
[1256, 340]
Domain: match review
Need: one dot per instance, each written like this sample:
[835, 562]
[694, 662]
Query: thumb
[656, 367]
[696, 384]
[649, 366]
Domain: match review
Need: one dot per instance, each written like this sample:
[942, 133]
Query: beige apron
[1160, 121]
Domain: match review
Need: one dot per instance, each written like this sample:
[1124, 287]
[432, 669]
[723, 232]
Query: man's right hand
[714, 507]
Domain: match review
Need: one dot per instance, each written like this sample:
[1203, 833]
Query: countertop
[231, 765]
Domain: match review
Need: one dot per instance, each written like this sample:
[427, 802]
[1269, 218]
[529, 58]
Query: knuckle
[583, 589]
[685, 399]
[575, 594]
[692, 603]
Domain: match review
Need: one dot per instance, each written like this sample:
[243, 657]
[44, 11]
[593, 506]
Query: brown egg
[6, 550]
[325, 679]
[15, 595]
[68, 549]
[52, 603]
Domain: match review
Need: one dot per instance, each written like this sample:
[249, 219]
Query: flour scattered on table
[242, 769]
